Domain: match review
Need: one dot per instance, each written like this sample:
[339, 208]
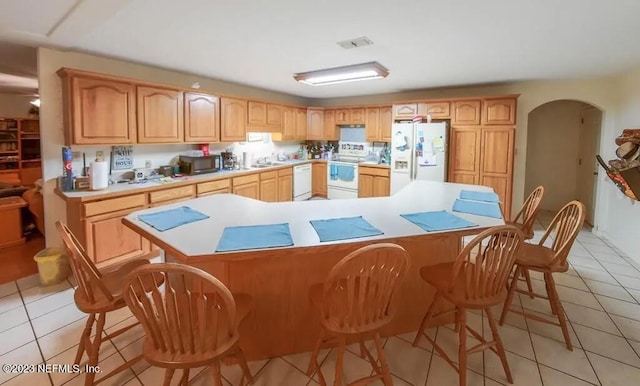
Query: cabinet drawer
[374, 171]
[285, 172]
[269, 175]
[246, 179]
[210, 186]
[171, 194]
[113, 205]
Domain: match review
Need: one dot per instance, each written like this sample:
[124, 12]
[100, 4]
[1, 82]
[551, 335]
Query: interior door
[587, 173]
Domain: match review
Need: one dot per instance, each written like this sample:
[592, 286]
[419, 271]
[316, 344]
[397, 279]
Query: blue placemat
[487, 209]
[254, 237]
[438, 221]
[479, 196]
[344, 228]
[168, 219]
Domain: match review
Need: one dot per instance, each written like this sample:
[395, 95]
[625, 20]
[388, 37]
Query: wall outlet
[147, 164]
[100, 154]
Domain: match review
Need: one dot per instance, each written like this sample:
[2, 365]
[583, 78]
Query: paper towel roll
[246, 160]
[98, 175]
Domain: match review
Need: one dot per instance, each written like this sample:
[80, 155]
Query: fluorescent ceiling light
[364, 71]
[36, 102]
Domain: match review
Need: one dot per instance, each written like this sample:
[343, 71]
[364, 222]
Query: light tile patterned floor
[600, 293]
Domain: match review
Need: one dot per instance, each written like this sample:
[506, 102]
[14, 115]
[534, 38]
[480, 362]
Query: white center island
[278, 279]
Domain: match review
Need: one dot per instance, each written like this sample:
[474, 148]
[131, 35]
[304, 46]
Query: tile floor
[600, 293]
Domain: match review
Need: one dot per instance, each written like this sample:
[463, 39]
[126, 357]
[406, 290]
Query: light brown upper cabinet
[233, 120]
[256, 113]
[330, 128]
[315, 124]
[201, 118]
[288, 123]
[263, 116]
[274, 116]
[499, 111]
[466, 112]
[352, 116]
[160, 115]
[301, 124]
[405, 111]
[438, 110]
[98, 111]
[378, 121]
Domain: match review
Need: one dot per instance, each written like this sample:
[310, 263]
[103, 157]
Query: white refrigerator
[418, 152]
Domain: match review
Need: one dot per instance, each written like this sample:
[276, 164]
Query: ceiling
[18, 69]
[423, 43]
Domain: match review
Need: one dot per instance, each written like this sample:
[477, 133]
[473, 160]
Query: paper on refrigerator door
[438, 144]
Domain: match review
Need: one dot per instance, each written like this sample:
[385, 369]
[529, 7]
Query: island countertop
[199, 239]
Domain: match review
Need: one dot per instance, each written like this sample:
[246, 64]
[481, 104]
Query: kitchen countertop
[226, 210]
[116, 190]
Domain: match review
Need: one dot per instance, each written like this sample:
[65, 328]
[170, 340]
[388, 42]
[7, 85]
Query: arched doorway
[562, 141]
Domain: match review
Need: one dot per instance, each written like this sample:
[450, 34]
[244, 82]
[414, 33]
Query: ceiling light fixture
[352, 73]
[36, 102]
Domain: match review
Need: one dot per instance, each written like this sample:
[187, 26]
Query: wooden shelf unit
[20, 161]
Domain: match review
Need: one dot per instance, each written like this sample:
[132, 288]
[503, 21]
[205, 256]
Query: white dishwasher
[302, 182]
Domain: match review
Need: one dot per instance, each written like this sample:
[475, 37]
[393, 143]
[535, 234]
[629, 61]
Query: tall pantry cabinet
[482, 144]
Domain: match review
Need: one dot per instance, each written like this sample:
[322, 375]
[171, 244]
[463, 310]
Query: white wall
[553, 141]
[14, 105]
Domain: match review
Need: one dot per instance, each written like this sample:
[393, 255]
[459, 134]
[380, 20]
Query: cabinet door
[101, 111]
[256, 113]
[464, 157]
[201, 118]
[319, 179]
[288, 123]
[499, 111]
[381, 186]
[385, 123]
[269, 190]
[274, 116]
[497, 162]
[365, 186]
[301, 124]
[107, 238]
[233, 120]
[372, 124]
[405, 111]
[330, 129]
[251, 190]
[342, 116]
[160, 115]
[315, 126]
[438, 110]
[466, 112]
[356, 116]
[285, 187]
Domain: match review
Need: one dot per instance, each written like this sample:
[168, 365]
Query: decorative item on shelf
[121, 157]
[625, 171]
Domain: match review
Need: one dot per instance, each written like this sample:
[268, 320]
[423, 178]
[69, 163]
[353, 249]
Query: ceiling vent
[355, 43]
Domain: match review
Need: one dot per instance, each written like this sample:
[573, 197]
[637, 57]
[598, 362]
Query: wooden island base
[283, 321]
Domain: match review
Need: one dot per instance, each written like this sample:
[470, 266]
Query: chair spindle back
[529, 211]
[564, 229]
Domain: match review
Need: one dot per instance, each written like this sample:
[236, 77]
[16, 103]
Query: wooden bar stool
[97, 294]
[525, 218]
[563, 230]
[355, 301]
[190, 321]
[475, 280]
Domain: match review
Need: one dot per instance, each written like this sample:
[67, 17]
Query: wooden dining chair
[563, 230]
[190, 321]
[97, 293]
[525, 218]
[355, 302]
[476, 279]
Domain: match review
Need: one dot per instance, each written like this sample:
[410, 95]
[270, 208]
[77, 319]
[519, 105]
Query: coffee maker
[229, 160]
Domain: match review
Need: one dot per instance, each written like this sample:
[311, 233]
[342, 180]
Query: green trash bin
[53, 266]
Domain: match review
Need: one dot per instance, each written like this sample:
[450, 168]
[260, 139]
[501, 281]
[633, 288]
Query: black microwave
[199, 165]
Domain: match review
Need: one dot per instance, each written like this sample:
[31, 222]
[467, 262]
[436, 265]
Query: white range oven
[342, 179]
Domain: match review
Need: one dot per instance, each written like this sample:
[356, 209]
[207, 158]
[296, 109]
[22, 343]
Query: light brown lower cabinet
[285, 184]
[247, 186]
[107, 239]
[269, 186]
[319, 179]
[373, 182]
[213, 187]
